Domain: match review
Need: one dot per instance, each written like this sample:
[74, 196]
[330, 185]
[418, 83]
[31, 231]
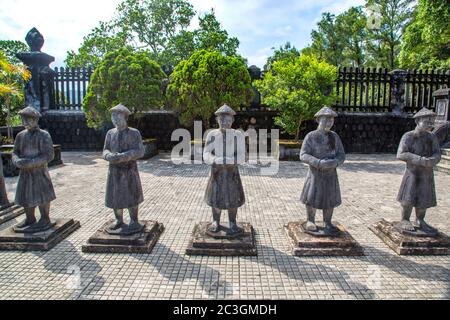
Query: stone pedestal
[305, 244]
[9, 212]
[204, 243]
[39, 241]
[405, 244]
[142, 242]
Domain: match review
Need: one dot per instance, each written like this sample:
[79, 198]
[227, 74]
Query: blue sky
[260, 25]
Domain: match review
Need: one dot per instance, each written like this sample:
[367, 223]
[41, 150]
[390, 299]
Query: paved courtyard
[174, 196]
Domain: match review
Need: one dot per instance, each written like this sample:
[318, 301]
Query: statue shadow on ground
[407, 267]
[268, 257]
[208, 278]
[83, 279]
[373, 167]
[81, 159]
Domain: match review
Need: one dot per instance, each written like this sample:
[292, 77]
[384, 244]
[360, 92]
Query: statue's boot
[420, 221]
[30, 219]
[215, 224]
[134, 225]
[406, 224]
[311, 216]
[330, 228]
[44, 222]
[234, 228]
[118, 213]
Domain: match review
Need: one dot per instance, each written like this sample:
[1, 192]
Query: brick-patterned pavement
[174, 196]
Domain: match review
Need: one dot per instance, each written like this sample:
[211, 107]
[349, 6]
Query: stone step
[445, 160]
[443, 168]
[446, 152]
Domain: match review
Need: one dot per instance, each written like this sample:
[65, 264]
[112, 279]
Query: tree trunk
[297, 133]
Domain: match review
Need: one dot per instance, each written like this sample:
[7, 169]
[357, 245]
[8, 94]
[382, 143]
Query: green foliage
[12, 103]
[132, 79]
[12, 77]
[208, 79]
[426, 41]
[11, 47]
[102, 39]
[297, 88]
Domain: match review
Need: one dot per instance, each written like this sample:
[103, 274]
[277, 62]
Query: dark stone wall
[372, 133]
[360, 133]
[70, 130]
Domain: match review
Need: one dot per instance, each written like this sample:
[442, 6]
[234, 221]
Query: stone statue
[3, 195]
[323, 151]
[421, 152]
[123, 146]
[33, 150]
[224, 151]
[38, 90]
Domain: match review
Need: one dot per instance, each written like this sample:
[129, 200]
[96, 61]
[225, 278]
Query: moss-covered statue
[421, 152]
[33, 150]
[123, 146]
[224, 151]
[322, 150]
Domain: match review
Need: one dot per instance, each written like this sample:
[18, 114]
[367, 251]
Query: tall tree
[352, 28]
[385, 36]
[283, 52]
[426, 41]
[327, 43]
[102, 39]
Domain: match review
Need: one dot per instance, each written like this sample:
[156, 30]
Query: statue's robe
[321, 189]
[123, 186]
[34, 187]
[224, 189]
[417, 188]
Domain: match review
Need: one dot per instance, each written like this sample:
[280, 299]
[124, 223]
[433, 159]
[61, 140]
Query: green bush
[200, 85]
[297, 87]
[132, 79]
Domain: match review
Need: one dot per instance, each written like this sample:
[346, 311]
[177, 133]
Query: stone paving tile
[174, 196]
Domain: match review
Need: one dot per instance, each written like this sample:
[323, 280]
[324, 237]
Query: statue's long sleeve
[305, 154]
[404, 154]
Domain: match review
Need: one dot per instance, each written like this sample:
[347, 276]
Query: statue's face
[29, 122]
[225, 121]
[35, 40]
[119, 120]
[325, 123]
[426, 123]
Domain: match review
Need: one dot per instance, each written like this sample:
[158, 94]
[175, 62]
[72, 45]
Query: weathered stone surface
[203, 244]
[10, 212]
[308, 245]
[404, 244]
[40, 241]
[143, 242]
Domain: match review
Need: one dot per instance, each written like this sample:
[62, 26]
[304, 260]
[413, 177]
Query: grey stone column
[398, 79]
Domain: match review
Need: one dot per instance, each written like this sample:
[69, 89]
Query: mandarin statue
[123, 147]
[33, 150]
[224, 151]
[323, 151]
[421, 152]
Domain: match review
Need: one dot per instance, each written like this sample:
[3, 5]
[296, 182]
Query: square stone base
[39, 241]
[142, 242]
[203, 244]
[404, 244]
[10, 212]
[308, 245]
